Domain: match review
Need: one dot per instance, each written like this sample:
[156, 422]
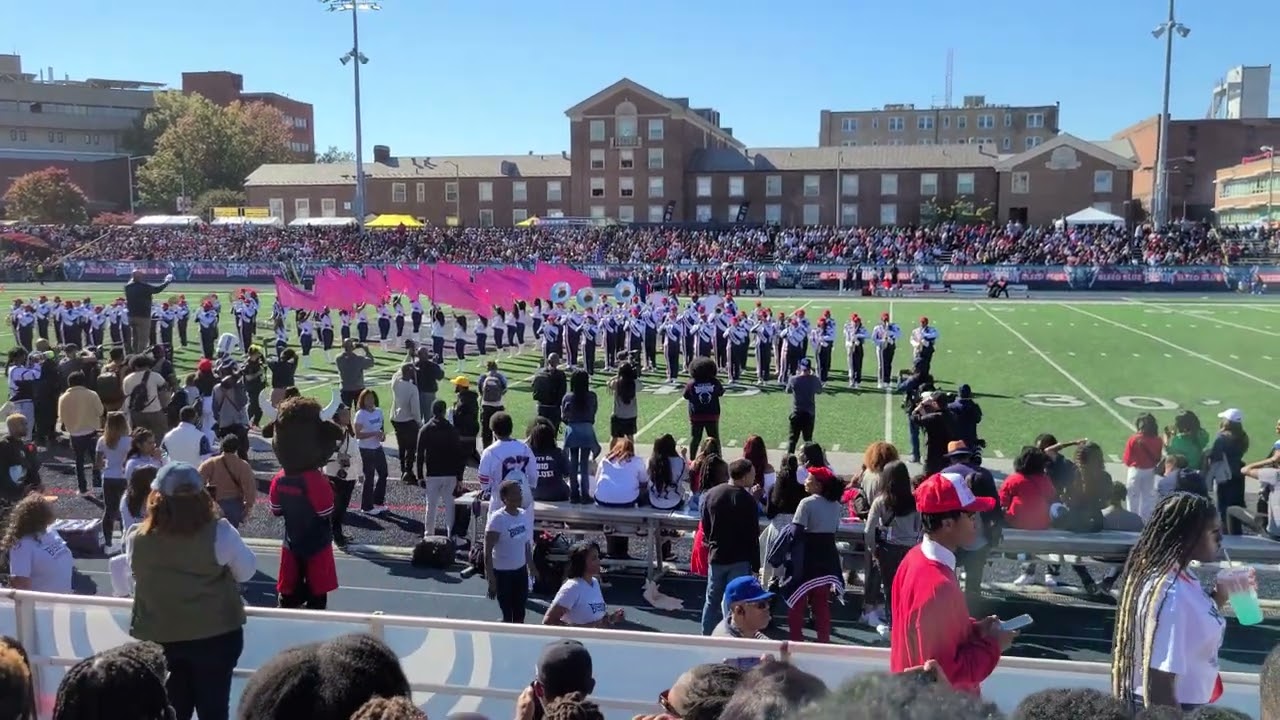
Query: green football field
[1077, 368]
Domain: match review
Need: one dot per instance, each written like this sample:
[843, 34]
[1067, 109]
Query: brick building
[1197, 150]
[1007, 128]
[1248, 192]
[223, 88]
[479, 190]
[639, 156]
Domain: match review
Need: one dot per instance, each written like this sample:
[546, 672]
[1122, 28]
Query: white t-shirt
[769, 479]
[45, 560]
[515, 532]
[1271, 478]
[1188, 635]
[127, 519]
[115, 459]
[618, 483]
[673, 495]
[582, 601]
[369, 421]
[139, 461]
[508, 460]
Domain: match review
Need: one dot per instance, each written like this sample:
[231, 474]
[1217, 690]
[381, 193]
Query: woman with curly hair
[877, 455]
[17, 693]
[38, 558]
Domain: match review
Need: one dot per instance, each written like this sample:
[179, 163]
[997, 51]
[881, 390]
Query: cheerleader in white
[306, 336]
[460, 339]
[482, 335]
[326, 333]
[362, 324]
[344, 319]
[398, 306]
[384, 324]
[499, 328]
[282, 334]
[437, 333]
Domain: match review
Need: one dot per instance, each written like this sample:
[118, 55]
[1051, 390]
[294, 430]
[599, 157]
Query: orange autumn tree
[46, 196]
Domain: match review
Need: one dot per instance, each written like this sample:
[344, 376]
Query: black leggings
[512, 593]
[698, 427]
[112, 491]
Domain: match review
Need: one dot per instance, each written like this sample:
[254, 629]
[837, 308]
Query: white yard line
[1061, 370]
[658, 418]
[1206, 318]
[1192, 353]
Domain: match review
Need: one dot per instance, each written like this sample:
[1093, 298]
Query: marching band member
[306, 335]
[97, 323]
[23, 371]
[823, 337]
[437, 333]
[573, 335]
[721, 320]
[672, 334]
[326, 333]
[706, 331]
[217, 304]
[55, 317]
[65, 323]
[590, 337]
[652, 319]
[384, 323]
[608, 325]
[282, 334]
[344, 319]
[536, 314]
[207, 322]
[736, 336]
[277, 309]
[362, 323]
[482, 335]
[164, 324]
[415, 316]
[42, 308]
[398, 306]
[118, 319]
[689, 324]
[24, 319]
[885, 337]
[923, 340]
[804, 325]
[854, 337]
[227, 344]
[635, 333]
[519, 314]
[795, 338]
[499, 327]
[155, 323]
[764, 330]
[460, 339]
[779, 342]
[184, 319]
[248, 319]
[548, 332]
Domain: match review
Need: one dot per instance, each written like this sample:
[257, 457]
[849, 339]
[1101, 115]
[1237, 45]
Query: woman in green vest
[188, 563]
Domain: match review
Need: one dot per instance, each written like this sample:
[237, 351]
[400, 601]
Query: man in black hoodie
[549, 388]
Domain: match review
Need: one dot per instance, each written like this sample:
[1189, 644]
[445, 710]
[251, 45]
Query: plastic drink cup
[1241, 585]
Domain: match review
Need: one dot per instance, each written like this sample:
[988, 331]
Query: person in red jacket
[930, 619]
[1028, 494]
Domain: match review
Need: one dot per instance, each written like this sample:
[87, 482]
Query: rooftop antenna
[951, 66]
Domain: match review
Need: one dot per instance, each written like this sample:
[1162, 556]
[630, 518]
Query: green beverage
[1241, 585]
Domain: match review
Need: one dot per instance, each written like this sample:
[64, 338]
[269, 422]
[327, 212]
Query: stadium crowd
[948, 243]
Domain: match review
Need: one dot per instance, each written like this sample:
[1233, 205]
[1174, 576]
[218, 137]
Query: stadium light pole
[1271, 178]
[355, 7]
[1160, 202]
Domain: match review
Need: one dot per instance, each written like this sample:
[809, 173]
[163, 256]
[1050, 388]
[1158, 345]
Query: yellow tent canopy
[392, 221]
[528, 222]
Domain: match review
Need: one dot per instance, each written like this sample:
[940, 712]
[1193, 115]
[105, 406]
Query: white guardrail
[466, 666]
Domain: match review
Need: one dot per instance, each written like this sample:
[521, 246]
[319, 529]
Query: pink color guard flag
[295, 299]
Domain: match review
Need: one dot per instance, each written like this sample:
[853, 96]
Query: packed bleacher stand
[943, 244]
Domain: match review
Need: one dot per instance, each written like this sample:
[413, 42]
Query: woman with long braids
[1168, 630]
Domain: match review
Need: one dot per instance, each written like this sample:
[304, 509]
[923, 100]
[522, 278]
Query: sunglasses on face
[664, 702]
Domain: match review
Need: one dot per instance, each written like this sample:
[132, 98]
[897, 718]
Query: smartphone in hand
[1017, 624]
[743, 663]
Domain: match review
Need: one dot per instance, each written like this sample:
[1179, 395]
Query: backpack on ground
[140, 395]
[435, 552]
[491, 389]
[550, 558]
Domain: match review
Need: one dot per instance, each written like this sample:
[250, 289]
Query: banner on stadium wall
[1036, 277]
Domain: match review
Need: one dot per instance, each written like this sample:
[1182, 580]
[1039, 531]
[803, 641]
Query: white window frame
[486, 217]
[986, 121]
[596, 159]
[657, 186]
[597, 188]
[1032, 141]
[451, 191]
[656, 154]
[486, 191]
[1035, 120]
[702, 186]
[849, 214]
[656, 213]
[519, 215]
[849, 185]
[812, 186]
[962, 122]
[924, 122]
[702, 213]
[626, 159]
[420, 192]
[399, 193]
[772, 185]
[928, 185]
[656, 129]
[966, 183]
[737, 186]
[897, 124]
[849, 125]
[275, 206]
[555, 190]
[773, 213]
[1008, 119]
[811, 214]
[597, 211]
[1006, 143]
[328, 207]
[888, 213]
[519, 191]
[302, 207]
[626, 213]
[1020, 182]
[595, 131]
[626, 186]
[1103, 181]
[888, 184]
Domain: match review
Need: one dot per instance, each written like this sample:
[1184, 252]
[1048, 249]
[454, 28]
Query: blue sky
[495, 76]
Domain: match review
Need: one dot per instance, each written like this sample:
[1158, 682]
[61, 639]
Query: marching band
[655, 331]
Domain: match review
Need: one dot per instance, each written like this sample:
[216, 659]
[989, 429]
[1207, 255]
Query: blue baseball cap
[745, 589]
[806, 364]
[178, 478]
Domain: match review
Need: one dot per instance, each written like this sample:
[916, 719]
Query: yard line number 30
[1133, 402]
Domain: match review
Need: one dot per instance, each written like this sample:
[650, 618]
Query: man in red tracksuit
[930, 619]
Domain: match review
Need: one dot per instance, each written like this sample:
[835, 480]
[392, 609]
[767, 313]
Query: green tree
[46, 196]
[334, 155]
[218, 197]
[209, 147]
[171, 105]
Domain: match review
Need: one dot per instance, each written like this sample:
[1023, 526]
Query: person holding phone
[931, 619]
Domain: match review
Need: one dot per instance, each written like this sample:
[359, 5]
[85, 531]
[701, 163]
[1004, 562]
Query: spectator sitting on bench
[1266, 521]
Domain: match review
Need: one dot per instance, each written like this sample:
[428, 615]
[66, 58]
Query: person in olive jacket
[466, 417]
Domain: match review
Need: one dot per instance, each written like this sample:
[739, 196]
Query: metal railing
[466, 666]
